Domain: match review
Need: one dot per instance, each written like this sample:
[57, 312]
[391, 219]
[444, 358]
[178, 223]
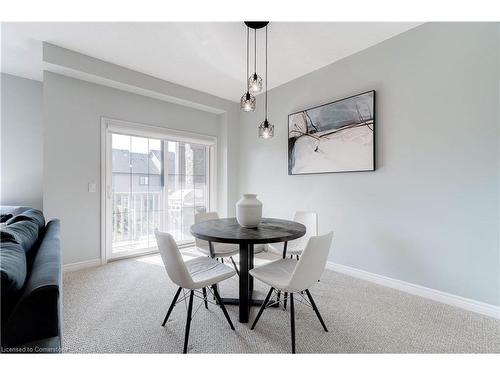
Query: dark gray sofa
[31, 300]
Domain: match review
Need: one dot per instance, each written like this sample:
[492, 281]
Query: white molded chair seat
[292, 248]
[221, 250]
[225, 250]
[276, 274]
[193, 274]
[207, 271]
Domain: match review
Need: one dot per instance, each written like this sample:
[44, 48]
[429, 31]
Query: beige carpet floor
[119, 308]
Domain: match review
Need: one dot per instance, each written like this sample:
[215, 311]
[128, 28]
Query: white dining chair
[296, 247]
[194, 274]
[218, 250]
[294, 277]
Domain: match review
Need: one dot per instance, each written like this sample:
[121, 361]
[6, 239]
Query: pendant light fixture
[247, 101]
[266, 130]
[255, 81]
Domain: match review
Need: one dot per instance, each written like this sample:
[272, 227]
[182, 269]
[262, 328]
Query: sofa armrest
[37, 315]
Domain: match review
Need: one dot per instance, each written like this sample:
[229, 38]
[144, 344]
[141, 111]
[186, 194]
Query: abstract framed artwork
[334, 137]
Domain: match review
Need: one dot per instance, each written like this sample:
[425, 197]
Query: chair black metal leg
[217, 297]
[285, 246]
[212, 252]
[316, 310]
[284, 302]
[188, 321]
[292, 322]
[235, 268]
[297, 260]
[171, 306]
[215, 287]
[261, 310]
[205, 297]
[211, 249]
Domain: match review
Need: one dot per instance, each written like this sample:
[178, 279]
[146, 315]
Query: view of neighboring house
[155, 183]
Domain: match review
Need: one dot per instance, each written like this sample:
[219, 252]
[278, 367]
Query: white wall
[21, 142]
[72, 119]
[429, 213]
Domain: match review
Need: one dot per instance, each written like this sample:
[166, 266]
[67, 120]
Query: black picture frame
[291, 142]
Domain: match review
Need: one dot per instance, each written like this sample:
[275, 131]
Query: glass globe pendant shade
[255, 83]
[247, 102]
[266, 130]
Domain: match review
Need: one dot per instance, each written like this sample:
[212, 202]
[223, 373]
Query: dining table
[228, 230]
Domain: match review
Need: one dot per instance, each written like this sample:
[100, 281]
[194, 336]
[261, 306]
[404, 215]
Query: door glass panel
[155, 184]
[187, 207]
[199, 178]
[174, 189]
[120, 160]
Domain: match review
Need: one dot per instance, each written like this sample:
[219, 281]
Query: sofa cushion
[5, 217]
[13, 210]
[6, 236]
[32, 215]
[13, 274]
[25, 233]
[12, 266]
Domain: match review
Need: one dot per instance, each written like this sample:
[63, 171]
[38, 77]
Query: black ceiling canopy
[256, 24]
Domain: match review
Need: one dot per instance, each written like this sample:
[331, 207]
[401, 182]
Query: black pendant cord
[255, 53]
[265, 123]
[248, 42]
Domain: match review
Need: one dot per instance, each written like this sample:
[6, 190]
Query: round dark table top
[229, 231]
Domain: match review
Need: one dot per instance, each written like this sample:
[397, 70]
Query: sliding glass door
[155, 183]
[188, 192]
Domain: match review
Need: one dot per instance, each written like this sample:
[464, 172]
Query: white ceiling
[209, 57]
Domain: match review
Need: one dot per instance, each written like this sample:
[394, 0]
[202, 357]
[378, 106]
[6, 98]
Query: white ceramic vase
[249, 211]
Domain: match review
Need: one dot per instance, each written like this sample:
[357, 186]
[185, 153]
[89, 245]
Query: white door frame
[109, 126]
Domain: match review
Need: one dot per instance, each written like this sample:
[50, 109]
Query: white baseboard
[81, 265]
[418, 290]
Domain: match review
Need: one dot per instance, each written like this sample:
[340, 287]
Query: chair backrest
[312, 262]
[199, 218]
[310, 221]
[172, 259]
